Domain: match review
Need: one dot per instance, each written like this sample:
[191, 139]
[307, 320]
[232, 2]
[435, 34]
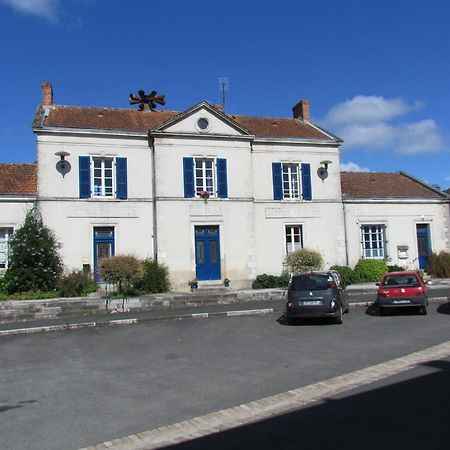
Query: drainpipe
[345, 229]
[151, 144]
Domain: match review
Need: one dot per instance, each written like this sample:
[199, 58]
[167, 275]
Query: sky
[377, 73]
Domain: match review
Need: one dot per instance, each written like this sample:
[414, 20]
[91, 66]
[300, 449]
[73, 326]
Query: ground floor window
[5, 235]
[294, 237]
[373, 241]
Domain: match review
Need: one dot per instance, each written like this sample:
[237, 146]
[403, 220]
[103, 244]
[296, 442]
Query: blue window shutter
[121, 178]
[306, 182]
[222, 185]
[84, 164]
[188, 173]
[277, 181]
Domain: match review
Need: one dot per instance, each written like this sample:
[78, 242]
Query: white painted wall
[400, 219]
[73, 219]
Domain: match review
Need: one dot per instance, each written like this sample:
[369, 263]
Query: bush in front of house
[34, 263]
[395, 268]
[123, 271]
[76, 284]
[154, 279]
[266, 281]
[304, 260]
[367, 270]
[439, 265]
[346, 273]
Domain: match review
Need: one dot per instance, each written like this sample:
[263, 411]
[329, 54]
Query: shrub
[265, 281]
[395, 268]
[34, 263]
[124, 271]
[370, 269]
[154, 279]
[304, 260]
[346, 273]
[76, 284]
[439, 265]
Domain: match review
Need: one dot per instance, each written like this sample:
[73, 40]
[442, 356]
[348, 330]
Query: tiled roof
[18, 179]
[385, 185]
[135, 120]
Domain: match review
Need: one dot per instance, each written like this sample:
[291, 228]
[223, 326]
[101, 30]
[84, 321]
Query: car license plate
[401, 302]
[310, 302]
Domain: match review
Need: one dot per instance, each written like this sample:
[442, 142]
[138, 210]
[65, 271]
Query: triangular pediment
[202, 119]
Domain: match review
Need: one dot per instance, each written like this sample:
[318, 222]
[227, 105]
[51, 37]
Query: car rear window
[401, 280]
[310, 282]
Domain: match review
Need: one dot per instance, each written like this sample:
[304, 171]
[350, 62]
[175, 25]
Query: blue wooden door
[103, 247]
[207, 252]
[423, 244]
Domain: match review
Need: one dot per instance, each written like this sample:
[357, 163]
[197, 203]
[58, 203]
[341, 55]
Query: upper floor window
[5, 235]
[205, 174]
[294, 238]
[373, 241]
[291, 181]
[103, 177]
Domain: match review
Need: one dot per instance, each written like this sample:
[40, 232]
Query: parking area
[67, 390]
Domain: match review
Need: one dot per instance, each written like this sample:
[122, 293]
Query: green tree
[34, 263]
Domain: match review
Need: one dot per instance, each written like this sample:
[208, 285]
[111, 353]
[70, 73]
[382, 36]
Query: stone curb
[265, 408]
[237, 313]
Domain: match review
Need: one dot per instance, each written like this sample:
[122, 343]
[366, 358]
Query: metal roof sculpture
[147, 101]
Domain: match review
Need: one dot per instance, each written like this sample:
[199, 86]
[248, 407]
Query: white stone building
[211, 195]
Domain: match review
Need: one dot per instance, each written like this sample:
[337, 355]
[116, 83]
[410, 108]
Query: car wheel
[423, 310]
[339, 318]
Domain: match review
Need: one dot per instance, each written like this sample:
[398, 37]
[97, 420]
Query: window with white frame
[373, 240]
[5, 235]
[294, 238]
[291, 180]
[204, 175]
[103, 177]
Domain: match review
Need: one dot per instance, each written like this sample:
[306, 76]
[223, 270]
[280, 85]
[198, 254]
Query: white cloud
[47, 9]
[353, 167]
[368, 109]
[365, 122]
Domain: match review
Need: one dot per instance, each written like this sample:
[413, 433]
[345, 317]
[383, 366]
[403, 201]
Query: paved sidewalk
[268, 407]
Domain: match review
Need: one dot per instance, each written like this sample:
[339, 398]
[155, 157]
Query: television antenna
[223, 86]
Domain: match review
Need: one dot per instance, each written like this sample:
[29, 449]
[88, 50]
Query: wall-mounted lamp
[63, 166]
[322, 172]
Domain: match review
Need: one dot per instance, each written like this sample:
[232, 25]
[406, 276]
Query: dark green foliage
[32, 295]
[34, 263]
[346, 273]
[76, 284]
[370, 270]
[155, 278]
[439, 265]
[265, 281]
[395, 268]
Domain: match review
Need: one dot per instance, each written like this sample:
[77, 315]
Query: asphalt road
[68, 390]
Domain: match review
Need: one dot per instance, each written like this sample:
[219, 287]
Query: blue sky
[377, 73]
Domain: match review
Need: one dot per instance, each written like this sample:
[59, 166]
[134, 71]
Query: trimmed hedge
[265, 281]
[439, 265]
[370, 270]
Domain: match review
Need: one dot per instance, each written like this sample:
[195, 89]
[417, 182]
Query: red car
[402, 289]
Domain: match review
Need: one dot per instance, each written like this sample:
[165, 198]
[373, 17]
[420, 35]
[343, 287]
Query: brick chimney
[47, 93]
[219, 107]
[301, 110]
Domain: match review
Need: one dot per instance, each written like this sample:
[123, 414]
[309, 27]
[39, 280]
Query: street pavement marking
[267, 407]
